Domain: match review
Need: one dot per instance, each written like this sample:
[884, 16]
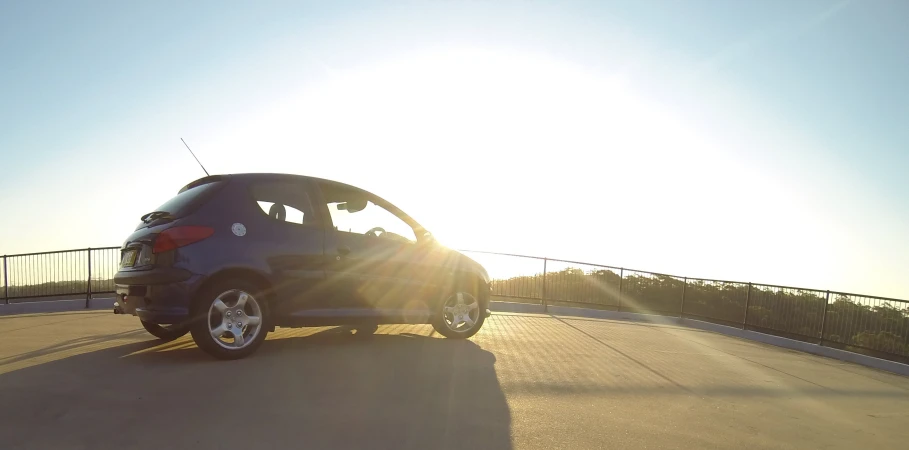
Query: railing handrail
[717, 281]
[604, 266]
[504, 254]
[572, 262]
[63, 251]
[765, 308]
[80, 271]
[823, 291]
[875, 297]
[777, 286]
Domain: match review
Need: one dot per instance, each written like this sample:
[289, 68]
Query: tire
[225, 324]
[472, 306]
[165, 333]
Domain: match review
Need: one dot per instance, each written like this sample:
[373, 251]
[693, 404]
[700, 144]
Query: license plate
[129, 258]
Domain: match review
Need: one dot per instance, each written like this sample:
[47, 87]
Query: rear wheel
[460, 315]
[230, 320]
[166, 332]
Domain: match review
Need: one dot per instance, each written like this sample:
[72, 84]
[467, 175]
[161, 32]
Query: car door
[292, 238]
[372, 272]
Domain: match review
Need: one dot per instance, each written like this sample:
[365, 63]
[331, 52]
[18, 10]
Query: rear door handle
[344, 250]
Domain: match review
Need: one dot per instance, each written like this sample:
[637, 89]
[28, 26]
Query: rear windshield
[185, 202]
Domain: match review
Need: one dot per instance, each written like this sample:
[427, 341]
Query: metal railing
[68, 273]
[876, 326]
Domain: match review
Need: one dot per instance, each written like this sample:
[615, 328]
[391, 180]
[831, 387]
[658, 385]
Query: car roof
[258, 177]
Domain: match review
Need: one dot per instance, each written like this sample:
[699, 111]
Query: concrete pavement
[94, 380]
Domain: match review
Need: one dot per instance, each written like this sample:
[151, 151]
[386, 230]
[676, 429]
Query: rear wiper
[155, 215]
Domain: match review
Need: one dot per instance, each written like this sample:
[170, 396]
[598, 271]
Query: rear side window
[284, 202]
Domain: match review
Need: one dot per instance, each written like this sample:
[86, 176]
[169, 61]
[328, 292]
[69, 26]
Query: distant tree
[795, 312]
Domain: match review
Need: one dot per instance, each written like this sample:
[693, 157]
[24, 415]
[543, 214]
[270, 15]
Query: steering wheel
[373, 231]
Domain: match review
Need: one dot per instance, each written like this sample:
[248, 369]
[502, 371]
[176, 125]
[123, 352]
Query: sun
[498, 149]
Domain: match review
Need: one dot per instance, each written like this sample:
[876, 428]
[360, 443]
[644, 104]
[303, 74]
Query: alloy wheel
[461, 311]
[234, 319]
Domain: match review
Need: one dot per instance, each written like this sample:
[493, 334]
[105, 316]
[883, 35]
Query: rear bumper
[157, 296]
[159, 316]
[163, 275]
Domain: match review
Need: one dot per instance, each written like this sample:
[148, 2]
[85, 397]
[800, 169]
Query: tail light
[177, 237]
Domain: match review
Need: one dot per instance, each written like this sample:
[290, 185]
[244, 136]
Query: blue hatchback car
[231, 257]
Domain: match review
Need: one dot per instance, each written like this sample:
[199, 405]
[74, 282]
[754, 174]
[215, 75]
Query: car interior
[352, 211]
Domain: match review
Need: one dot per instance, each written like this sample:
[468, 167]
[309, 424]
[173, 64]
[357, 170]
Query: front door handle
[344, 250]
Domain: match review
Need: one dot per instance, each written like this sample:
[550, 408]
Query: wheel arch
[469, 279]
[236, 273]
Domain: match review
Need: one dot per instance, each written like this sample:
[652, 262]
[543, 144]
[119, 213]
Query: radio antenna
[194, 157]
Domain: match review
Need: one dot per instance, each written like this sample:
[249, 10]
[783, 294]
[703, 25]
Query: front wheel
[165, 332]
[461, 315]
[229, 320]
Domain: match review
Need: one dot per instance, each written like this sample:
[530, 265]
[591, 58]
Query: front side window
[353, 211]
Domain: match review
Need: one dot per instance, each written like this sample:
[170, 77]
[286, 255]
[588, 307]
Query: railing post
[824, 318]
[621, 280]
[88, 287]
[747, 301]
[682, 307]
[543, 299]
[5, 282]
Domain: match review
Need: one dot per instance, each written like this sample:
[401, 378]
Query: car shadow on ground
[331, 389]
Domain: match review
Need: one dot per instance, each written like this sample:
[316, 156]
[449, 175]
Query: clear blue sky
[763, 141]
